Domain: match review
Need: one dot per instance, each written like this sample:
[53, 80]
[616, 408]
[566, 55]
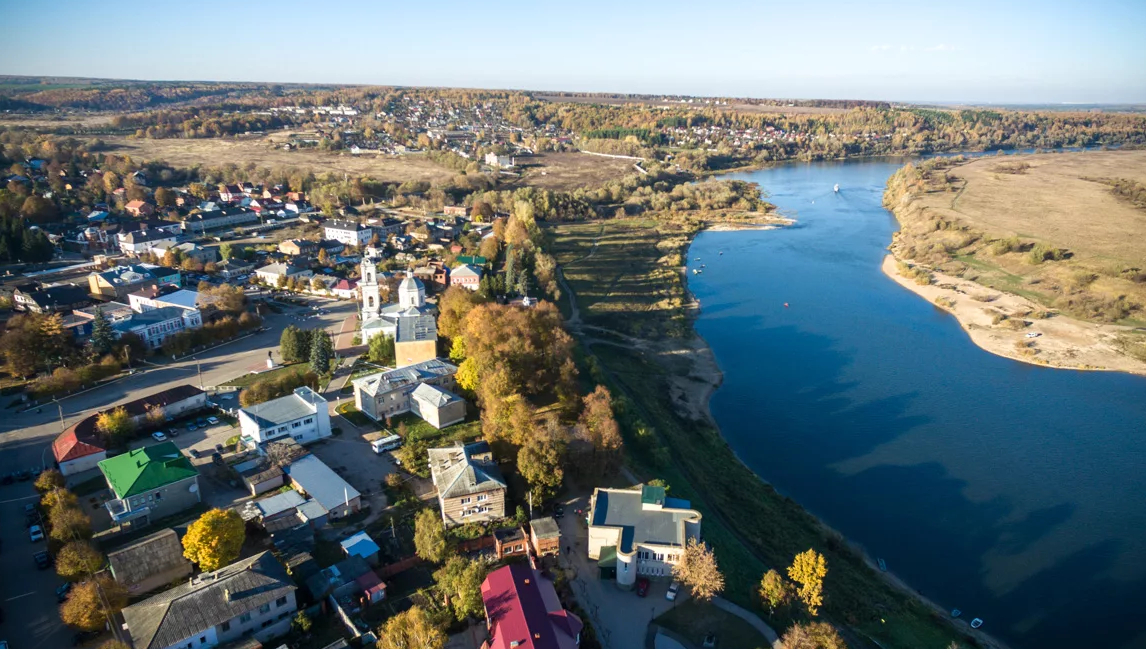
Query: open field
[1040, 226]
[266, 151]
[568, 171]
[659, 103]
[65, 120]
[694, 620]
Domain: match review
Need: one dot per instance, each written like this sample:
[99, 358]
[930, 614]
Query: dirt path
[1059, 341]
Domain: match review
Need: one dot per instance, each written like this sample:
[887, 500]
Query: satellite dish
[193, 488]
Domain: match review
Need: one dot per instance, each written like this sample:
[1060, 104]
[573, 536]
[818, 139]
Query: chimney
[226, 594]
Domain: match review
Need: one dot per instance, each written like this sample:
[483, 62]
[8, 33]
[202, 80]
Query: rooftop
[525, 612]
[321, 483]
[151, 555]
[300, 403]
[464, 469]
[384, 382]
[642, 516]
[434, 396]
[348, 226]
[359, 545]
[416, 327]
[147, 468]
[545, 528]
[172, 617]
[151, 316]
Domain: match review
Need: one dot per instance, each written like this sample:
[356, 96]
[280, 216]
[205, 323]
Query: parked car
[213, 420]
[558, 511]
[191, 426]
[642, 587]
[217, 459]
[29, 508]
[195, 454]
[173, 433]
[219, 449]
[22, 476]
[42, 560]
[159, 436]
[36, 533]
[671, 594]
[62, 591]
[201, 423]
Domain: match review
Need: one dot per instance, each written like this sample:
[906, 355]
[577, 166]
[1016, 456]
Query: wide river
[1012, 492]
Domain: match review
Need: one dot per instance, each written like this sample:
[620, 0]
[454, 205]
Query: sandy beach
[1060, 342]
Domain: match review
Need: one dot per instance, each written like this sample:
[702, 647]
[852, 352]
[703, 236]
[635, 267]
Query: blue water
[1015, 493]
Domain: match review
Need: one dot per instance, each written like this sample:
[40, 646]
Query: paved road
[27, 595]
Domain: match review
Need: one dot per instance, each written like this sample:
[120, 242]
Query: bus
[386, 444]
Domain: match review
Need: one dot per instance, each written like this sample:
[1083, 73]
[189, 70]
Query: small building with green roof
[150, 483]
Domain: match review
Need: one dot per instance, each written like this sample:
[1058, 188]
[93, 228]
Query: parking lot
[351, 457]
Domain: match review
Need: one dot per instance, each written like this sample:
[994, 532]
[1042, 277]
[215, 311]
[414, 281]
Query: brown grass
[568, 171]
[697, 105]
[267, 151]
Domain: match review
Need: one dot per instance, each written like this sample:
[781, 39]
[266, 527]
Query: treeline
[197, 123]
[17, 242]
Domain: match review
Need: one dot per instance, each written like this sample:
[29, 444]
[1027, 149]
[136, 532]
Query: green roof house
[150, 482]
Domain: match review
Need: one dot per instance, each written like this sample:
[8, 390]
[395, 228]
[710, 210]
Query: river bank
[1056, 341]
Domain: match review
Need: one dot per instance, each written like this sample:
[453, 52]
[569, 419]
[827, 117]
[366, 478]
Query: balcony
[121, 511]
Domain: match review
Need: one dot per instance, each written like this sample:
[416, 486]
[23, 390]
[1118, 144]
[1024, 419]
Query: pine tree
[102, 335]
[321, 352]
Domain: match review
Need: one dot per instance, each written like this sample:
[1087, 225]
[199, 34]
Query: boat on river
[976, 623]
[956, 612]
[881, 562]
[836, 189]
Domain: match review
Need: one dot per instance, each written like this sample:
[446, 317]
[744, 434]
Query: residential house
[151, 482]
[234, 268]
[466, 276]
[166, 296]
[470, 486]
[303, 416]
[361, 545]
[639, 532]
[346, 289]
[390, 393]
[141, 241]
[457, 210]
[350, 233]
[151, 562]
[230, 193]
[155, 326]
[190, 250]
[545, 536]
[118, 282]
[523, 611]
[139, 208]
[336, 496]
[224, 218]
[253, 597]
[51, 299]
[271, 273]
[296, 247]
[277, 512]
[438, 407]
[500, 161]
[510, 541]
[387, 227]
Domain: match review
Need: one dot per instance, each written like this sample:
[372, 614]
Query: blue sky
[976, 51]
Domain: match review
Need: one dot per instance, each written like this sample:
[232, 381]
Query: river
[1012, 492]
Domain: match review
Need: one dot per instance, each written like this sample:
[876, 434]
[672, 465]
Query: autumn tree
[697, 569]
[809, 569]
[215, 539]
[453, 307]
[381, 350]
[49, 480]
[460, 579]
[540, 462]
[813, 635]
[113, 644]
[69, 522]
[597, 441]
[430, 536]
[116, 425]
[411, 629]
[58, 497]
[85, 606]
[775, 591]
[78, 560]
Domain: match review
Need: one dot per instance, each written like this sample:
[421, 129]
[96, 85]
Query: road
[27, 595]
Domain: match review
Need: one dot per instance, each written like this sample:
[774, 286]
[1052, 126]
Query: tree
[57, 497]
[164, 197]
[103, 337]
[116, 425]
[49, 480]
[321, 352]
[460, 579]
[453, 307]
[156, 417]
[697, 569]
[430, 536]
[809, 569]
[814, 635]
[775, 591]
[84, 608]
[316, 285]
[302, 622]
[78, 560]
[113, 644]
[381, 350]
[215, 539]
[226, 251]
[599, 434]
[411, 629]
[290, 345]
[68, 523]
[539, 462]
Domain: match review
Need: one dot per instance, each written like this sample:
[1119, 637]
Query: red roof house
[523, 611]
[79, 448]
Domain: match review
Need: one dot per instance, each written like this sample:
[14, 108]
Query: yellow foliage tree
[215, 539]
[84, 608]
[411, 629]
[809, 569]
[77, 560]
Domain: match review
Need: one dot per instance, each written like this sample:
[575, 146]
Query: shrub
[1003, 246]
[1042, 252]
[914, 273]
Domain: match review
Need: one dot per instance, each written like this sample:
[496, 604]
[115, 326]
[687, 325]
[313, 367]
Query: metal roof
[383, 382]
[434, 396]
[147, 468]
[623, 509]
[301, 403]
[415, 328]
[321, 483]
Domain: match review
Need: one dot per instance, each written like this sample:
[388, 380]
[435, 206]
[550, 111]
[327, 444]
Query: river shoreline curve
[1061, 342]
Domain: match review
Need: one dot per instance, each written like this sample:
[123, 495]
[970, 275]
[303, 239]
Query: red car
[642, 587]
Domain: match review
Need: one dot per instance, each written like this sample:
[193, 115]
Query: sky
[974, 51]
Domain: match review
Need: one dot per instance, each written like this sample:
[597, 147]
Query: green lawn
[694, 620]
[249, 379]
[354, 415]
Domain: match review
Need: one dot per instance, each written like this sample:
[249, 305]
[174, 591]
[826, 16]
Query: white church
[410, 321]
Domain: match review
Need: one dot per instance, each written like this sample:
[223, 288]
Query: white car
[674, 588]
[212, 420]
[36, 533]
[1033, 334]
[159, 436]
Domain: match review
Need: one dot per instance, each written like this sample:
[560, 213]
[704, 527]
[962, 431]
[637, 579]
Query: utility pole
[61, 408]
[200, 371]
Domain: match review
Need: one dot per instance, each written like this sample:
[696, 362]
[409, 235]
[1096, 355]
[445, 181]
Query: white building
[157, 325]
[143, 301]
[350, 233]
[439, 408]
[303, 416]
[643, 529]
[142, 241]
[384, 319]
[386, 394]
[271, 273]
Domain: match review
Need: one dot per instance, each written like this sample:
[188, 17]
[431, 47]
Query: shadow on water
[1008, 491]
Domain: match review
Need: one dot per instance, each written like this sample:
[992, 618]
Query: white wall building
[350, 233]
[304, 416]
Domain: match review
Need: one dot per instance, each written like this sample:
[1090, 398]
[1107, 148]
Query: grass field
[987, 219]
[569, 171]
[695, 620]
[247, 380]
